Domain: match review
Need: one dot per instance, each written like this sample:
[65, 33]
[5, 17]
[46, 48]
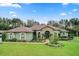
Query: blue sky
[41, 12]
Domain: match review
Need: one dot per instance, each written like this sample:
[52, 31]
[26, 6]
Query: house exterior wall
[0, 37]
[50, 30]
[44, 30]
[29, 36]
[64, 34]
[20, 36]
[47, 29]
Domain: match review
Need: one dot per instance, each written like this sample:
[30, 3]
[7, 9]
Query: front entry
[34, 35]
[47, 34]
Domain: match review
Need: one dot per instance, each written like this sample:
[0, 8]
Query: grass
[71, 48]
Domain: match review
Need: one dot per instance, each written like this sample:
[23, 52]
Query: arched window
[47, 34]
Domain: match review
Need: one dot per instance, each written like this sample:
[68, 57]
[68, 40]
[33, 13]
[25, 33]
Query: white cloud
[11, 12]
[65, 4]
[14, 15]
[74, 10]
[15, 5]
[63, 14]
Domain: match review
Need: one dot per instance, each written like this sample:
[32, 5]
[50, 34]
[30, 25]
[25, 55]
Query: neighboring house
[36, 32]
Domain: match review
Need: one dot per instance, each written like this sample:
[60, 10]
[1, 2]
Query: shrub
[54, 41]
[55, 45]
[21, 40]
[3, 36]
[12, 40]
[70, 36]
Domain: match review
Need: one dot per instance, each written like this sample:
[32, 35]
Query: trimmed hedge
[11, 40]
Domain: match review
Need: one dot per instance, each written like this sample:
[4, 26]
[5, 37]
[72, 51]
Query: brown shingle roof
[41, 26]
[38, 27]
[58, 29]
[20, 29]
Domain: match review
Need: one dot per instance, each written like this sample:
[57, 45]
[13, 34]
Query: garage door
[29, 36]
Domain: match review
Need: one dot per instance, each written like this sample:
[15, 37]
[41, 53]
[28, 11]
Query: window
[22, 36]
[10, 35]
[16, 35]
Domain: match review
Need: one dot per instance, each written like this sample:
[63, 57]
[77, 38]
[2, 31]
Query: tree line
[72, 23]
[6, 23]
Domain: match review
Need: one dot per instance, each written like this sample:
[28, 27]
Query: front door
[47, 34]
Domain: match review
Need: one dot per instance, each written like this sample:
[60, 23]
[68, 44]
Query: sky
[41, 12]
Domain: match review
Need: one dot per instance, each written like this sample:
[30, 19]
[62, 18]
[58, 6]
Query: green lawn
[71, 48]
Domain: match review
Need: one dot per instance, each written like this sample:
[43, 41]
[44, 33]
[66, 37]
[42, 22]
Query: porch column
[36, 35]
[77, 33]
[20, 36]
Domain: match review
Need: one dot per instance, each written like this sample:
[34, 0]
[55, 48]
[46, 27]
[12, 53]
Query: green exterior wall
[20, 36]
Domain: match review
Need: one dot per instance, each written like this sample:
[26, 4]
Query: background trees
[6, 23]
[16, 22]
[72, 25]
[31, 22]
[53, 23]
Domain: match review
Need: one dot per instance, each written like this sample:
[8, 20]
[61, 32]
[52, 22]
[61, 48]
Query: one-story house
[35, 32]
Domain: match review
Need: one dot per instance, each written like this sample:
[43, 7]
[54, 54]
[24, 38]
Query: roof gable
[41, 26]
[38, 27]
